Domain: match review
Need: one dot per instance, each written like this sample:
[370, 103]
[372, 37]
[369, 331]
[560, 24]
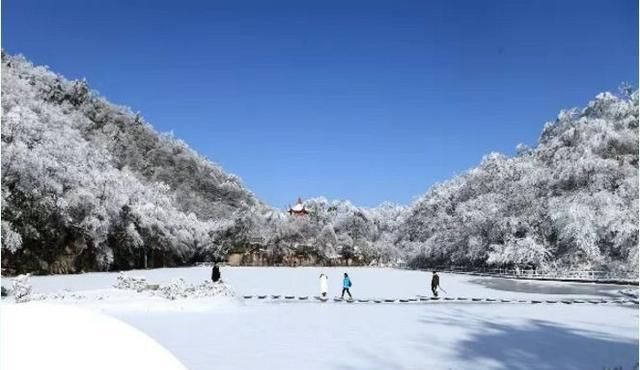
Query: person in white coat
[324, 285]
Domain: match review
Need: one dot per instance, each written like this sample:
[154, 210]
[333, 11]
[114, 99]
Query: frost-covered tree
[571, 201]
[87, 185]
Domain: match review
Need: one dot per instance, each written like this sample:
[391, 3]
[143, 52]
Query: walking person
[346, 284]
[215, 272]
[435, 283]
[324, 285]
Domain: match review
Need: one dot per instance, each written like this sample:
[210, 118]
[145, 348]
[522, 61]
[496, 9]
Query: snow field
[231, 333]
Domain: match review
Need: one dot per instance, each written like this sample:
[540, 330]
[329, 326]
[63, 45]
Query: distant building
[298, 209]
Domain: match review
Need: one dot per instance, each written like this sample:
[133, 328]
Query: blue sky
[361, 100]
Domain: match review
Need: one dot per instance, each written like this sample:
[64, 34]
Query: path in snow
[278, 299]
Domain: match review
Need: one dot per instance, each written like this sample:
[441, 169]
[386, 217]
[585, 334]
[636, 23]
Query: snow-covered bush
[179, 288]
[124, 281]
[21, 288]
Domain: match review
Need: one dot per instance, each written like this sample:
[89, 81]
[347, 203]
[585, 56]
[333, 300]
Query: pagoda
[298, 209]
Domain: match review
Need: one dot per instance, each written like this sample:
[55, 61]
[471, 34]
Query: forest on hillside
[88, 185]
[570, 202]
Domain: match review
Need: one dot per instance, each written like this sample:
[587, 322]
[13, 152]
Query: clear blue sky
[359, 100]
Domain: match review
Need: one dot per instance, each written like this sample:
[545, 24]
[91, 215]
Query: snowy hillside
[570, 202]
[87, 185]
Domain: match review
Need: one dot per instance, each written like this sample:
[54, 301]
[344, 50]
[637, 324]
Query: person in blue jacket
[346, 284]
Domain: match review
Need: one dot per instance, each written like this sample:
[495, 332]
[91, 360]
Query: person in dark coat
[435, 283]
[215, 272]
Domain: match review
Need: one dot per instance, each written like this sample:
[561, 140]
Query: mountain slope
[570, 202]
[87, 184]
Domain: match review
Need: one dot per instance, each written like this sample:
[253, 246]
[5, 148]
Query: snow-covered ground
[228, 333]
[41, 335]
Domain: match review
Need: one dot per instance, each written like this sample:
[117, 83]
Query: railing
[576, 275]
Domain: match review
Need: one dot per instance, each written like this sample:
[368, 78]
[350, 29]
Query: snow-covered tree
[570, 201]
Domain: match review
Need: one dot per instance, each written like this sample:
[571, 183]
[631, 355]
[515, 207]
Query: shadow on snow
[546, 345]
[534, 344]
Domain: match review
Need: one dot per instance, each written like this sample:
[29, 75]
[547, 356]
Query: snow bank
[51, 336]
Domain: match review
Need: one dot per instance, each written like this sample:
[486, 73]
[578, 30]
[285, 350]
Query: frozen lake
[368, 282]
[255, 334]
